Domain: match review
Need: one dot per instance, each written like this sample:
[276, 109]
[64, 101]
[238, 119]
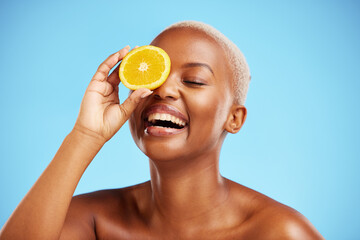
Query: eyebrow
[197, 64]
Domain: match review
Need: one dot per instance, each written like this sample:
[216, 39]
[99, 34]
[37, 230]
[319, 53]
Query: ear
[236, 118]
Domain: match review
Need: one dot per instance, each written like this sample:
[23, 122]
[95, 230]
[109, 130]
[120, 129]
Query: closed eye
[194, 83]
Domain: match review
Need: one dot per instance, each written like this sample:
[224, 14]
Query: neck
[188, 189]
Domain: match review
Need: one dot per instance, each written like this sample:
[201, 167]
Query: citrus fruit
[145, 67]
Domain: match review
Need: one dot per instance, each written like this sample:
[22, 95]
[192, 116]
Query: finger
[105, 67]
[129, 105]
[105, 89]
[114, 76]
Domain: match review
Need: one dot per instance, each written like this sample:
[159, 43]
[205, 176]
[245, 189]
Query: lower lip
[162, 131]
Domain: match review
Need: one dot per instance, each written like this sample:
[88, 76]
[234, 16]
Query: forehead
[185, 45]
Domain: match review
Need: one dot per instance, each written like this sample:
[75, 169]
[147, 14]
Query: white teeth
[153, 117]
[181, 123]
[165, 117]
[168, 117]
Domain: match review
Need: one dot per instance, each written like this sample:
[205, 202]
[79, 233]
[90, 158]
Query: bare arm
[41, 214]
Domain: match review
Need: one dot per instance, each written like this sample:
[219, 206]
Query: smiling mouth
[164, 120]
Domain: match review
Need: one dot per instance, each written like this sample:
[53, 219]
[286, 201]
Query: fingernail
[125, 48]
[144, 95]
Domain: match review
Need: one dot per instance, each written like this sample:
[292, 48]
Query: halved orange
[145, 67]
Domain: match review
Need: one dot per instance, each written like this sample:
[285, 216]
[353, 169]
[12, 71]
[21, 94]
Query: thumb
[129, 105]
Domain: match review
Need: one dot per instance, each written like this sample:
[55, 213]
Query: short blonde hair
[237, 62]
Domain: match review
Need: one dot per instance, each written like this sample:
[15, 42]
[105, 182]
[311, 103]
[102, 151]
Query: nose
[168, 90]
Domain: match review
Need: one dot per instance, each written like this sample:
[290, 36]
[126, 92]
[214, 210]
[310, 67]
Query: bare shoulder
[88, 213]
[269, 219]
[277, 221]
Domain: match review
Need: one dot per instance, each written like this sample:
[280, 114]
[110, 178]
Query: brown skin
[187, 198]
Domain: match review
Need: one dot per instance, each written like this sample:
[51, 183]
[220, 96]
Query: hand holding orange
[145, 67]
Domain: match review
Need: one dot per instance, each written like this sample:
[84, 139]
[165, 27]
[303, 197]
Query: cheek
[135, 125]
[132, 125]
[133, 128]
[210, 112]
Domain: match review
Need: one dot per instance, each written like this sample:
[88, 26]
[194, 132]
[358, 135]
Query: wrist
[87, 137]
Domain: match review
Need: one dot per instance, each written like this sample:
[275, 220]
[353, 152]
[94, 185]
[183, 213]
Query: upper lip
[164, 108]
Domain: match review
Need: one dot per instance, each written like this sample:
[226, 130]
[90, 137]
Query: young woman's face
[185, 117]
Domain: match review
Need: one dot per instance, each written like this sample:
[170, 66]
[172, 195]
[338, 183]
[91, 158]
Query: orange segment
[145, 67]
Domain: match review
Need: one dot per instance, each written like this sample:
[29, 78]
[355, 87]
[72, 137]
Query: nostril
[157, 96]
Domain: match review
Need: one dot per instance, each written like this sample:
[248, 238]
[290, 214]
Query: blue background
[299, 145]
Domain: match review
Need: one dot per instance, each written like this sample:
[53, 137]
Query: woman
[186, 198]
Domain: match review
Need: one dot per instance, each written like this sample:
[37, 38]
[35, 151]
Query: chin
[163, 149]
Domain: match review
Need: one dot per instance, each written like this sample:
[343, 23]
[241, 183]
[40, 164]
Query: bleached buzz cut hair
[237, 62]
